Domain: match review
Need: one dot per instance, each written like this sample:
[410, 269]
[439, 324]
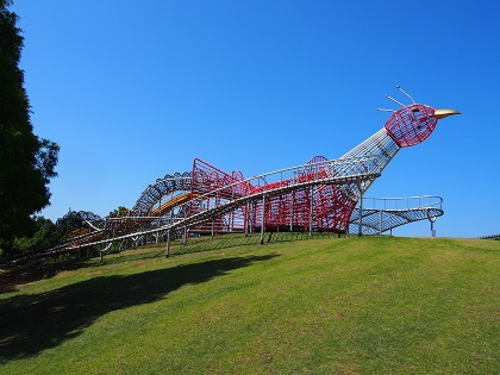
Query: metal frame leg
[263, 221]
[167, 246]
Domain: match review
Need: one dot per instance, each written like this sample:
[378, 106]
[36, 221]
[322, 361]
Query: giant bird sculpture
[320, 195]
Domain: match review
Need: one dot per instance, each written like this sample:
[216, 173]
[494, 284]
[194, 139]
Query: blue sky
[134, 90]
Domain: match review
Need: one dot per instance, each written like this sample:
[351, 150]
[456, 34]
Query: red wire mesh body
[329, 211]
[207, 178]
[331, 208]
[411, 125]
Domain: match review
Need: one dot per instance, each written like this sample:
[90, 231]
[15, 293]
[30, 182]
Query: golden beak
[442, 113]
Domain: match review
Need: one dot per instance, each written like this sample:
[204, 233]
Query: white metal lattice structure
[380, 215]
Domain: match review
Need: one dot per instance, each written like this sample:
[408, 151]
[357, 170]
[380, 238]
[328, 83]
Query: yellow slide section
[169, 205]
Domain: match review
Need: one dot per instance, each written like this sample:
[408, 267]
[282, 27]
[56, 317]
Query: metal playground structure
[322, 195]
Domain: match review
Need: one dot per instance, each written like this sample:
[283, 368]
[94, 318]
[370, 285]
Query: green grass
[375, 305]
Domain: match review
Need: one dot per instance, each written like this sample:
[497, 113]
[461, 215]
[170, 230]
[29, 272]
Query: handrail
[201, 216]
[349, 161]
[395, 203]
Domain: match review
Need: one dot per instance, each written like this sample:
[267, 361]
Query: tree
[46, 235]
[75, 221]
[27, 162]
[119, 212]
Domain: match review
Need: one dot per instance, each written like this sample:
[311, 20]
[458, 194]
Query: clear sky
[132, 90]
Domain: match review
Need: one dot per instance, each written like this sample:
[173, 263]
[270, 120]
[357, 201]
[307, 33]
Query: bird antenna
[405, 93]
[395, 101]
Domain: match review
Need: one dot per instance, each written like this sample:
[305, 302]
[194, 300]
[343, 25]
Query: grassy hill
[375, 305]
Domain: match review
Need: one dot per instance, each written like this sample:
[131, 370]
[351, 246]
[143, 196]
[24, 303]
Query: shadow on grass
[231, 240]
[10, 279]
[32, 323]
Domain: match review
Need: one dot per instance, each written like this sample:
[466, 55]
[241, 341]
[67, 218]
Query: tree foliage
[27, 162]
[119, 212]
[45, 235]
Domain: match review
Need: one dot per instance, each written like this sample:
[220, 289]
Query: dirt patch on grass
[10, 280]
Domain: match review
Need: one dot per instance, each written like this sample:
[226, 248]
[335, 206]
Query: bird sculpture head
[414, 123]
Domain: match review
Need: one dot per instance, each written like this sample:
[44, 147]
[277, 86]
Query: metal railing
[378, 215]
[288, 177]
[403, 203]
[339, 172]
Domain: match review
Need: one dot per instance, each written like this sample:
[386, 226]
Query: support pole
[167, 247]
[213, 227]
[247, 218]
[433, 232]
[263, 220]
[185, 236]
[291, 211]
[311, 209]
[380, 223]
[360, 219]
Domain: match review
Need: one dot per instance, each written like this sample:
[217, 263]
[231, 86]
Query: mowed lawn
[375, 305]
